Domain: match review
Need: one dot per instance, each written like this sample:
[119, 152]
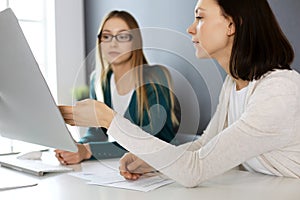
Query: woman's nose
[192, 29]
[113, 42]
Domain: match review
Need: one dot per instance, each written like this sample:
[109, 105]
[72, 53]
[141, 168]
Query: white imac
[28, 111]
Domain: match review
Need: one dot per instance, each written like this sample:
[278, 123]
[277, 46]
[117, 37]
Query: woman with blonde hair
[125, 82]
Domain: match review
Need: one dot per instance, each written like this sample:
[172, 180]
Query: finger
[58, 151]
[70, 122]
[135, 165]
[68, 116]
[122, 166]
[65, 109]
[135, 176]
[67, 155]
[125, 174]
[70, 157]
[58, 156]
[130, 176]
[60, 159]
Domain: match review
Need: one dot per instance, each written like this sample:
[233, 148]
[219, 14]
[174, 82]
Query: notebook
[35, 167]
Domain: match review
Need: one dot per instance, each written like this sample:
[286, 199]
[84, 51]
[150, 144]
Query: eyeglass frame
[115, 36]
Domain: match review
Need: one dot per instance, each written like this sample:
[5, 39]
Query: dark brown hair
[259, 44]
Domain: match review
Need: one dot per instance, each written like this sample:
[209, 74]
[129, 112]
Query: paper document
[114, 179]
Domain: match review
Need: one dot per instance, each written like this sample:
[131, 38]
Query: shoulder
[156, 74]
[273, 96]
[279, 82]
[156, 77]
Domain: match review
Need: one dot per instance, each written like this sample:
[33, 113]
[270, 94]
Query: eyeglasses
[122, 37]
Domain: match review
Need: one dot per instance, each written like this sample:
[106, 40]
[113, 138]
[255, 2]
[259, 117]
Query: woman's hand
[132, 167]
[69, 158]
[88, 113]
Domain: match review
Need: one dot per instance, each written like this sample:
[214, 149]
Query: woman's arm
[261, 129]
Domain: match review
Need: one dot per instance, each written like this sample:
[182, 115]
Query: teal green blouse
[160, 118]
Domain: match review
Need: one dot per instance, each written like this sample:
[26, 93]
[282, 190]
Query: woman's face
[211, 31]
[116, 41]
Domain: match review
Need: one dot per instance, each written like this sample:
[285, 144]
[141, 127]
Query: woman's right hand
[88, 113]
[132, 167]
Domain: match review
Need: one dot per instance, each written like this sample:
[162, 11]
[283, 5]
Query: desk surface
[231, 185]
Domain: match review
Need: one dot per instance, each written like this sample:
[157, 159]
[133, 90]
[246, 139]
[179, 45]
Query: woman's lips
[114, 54]
[195, 42]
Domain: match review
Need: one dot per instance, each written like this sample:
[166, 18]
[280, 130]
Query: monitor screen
[28, 111]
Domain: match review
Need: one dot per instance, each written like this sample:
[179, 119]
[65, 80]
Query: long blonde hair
[138, 60]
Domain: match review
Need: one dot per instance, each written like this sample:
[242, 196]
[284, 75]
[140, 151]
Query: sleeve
[100, 147]
[260, 129]
[104, 150]
[94, 134]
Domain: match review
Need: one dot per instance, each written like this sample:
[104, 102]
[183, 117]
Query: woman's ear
[231, 28]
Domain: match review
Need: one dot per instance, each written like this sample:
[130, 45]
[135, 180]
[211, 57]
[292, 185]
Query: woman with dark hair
[257, 121]
[124, 81]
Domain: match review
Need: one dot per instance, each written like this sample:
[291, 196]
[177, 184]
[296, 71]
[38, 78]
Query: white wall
[70, 53]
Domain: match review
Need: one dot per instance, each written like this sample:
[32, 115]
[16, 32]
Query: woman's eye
[123, 36]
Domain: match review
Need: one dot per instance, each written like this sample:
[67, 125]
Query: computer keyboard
[36, 167]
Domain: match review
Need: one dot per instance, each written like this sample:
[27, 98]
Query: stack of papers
[110, 177]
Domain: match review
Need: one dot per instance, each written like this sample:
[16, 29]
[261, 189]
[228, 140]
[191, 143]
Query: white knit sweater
[269, 129]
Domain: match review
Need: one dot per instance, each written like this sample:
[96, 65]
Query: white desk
[235, 185]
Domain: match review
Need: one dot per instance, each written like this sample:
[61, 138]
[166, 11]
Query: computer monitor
[28, 111]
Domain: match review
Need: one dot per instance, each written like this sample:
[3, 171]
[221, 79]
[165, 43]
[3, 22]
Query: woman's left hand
[88, 113]
[70, 158]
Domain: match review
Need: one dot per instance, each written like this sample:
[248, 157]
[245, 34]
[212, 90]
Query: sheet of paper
[107, 177]
[114, 179]
[144, 184]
